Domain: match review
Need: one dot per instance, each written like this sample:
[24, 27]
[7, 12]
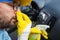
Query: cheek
[9, 15]
[7, 18]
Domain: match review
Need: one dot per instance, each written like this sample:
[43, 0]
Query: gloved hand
[24, 25]
[43, 28]
[36, 32]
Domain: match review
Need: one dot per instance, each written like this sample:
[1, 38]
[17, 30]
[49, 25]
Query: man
[7, 18]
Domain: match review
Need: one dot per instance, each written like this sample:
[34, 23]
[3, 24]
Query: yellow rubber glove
[39, 30]
[24, 25]
[42, 28]
[34, 34]
[44, 34]
[34, 30]
[39, 37]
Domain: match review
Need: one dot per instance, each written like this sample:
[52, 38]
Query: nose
[15, 10]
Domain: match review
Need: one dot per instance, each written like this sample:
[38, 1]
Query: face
[7, 16]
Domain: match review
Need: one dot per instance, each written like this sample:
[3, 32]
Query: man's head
[7, 15]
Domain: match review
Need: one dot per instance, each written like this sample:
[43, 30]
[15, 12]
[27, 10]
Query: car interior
[42, 12]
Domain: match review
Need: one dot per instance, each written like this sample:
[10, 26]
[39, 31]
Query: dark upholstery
[55, 31]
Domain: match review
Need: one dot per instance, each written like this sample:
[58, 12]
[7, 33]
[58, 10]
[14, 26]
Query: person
[7, 18]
